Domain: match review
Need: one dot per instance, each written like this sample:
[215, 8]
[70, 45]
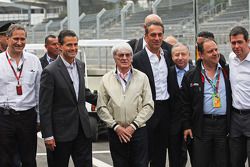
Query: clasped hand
[125, 134]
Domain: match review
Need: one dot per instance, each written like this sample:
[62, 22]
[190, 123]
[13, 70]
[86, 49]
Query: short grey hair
[14, 27]
[120, 46]
[178, 44]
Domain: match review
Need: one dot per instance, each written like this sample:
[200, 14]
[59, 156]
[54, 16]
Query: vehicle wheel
[94, 128]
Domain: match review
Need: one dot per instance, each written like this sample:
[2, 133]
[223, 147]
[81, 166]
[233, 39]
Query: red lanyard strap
[20, 71]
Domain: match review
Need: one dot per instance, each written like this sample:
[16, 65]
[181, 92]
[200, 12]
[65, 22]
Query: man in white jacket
[125, 103]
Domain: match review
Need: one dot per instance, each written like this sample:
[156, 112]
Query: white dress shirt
[73, 73]
[240, 81]
[29, 80]
[160, 72]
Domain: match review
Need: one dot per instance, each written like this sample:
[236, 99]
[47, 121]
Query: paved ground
[101, 154]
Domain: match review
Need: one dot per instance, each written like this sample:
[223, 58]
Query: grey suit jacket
[61, 113]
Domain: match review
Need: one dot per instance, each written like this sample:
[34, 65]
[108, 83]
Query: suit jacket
[44, 61]
[175, 109]
[141, 62]
[61, 113]
[192, 98]
[137, 45]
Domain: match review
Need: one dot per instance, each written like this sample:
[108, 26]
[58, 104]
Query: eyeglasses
[122, 55]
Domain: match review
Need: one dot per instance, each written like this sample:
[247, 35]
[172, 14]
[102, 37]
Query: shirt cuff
[115, 126]
[48, 138]
[134, 125]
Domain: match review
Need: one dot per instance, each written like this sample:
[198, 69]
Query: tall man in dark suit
[177, 147]
[64, 119]
[139, 44]
[153, 61]
[51, 45]
[206, 103]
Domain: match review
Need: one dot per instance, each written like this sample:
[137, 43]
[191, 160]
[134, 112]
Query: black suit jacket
[175, 103]
[61, 113]
[142, 63]
[137, 45]
[44, 61]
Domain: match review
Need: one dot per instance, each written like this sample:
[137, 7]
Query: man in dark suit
[51, 45]
[64, 119]
[139, 44]
[153, 61]
[177, 147]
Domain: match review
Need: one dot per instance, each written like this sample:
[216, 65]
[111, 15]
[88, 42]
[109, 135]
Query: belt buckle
[240, 112]
[214, 117]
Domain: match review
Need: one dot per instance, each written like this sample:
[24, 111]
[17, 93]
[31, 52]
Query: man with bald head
[139, 44]
[171, 40]
[150, 18]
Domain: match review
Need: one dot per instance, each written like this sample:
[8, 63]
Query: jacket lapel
[65, 74]
[81, 77]
[175, 79]
[139, 45]
[148, 69]
[44, 61]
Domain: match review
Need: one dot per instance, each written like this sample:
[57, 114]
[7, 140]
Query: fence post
[98, 18]
[155, 5]
[123, 14]
[62, 22]
[47, 26]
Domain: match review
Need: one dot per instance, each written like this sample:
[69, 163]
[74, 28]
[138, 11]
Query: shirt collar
[71, 66]
[237, 59]
[150, 54]
[49, 59]
[117, 72]
[10, 58]
[218, 67]
[185, 69]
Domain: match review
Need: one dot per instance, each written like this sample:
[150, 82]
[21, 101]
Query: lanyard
[215, 87]
[20, 71]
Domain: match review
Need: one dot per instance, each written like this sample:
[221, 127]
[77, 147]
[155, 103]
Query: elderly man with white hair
[125, 103]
